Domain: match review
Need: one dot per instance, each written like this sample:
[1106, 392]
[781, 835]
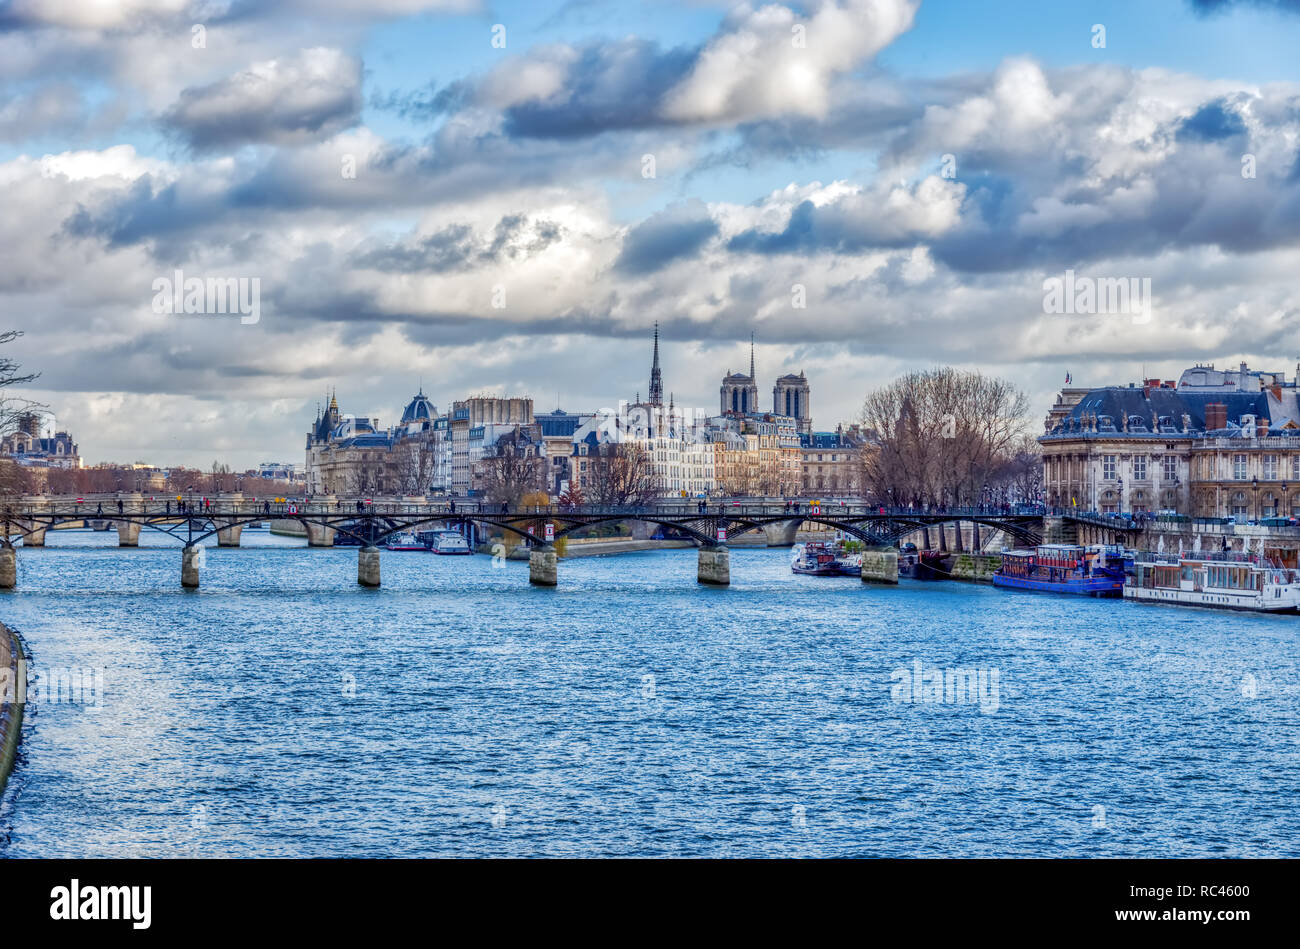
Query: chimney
[1261, 426]
[1216, 416]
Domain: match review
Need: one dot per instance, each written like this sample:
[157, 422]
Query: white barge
[1232, 584]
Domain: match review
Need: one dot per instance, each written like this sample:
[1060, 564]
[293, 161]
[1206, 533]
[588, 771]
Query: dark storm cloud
[676, 232]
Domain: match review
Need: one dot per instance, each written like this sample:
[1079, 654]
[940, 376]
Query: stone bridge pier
[880, 566]
[543, 566]
[367, 566]
[128, 532]
[8, 568]
[33, 530]
[781, 533]
[322, 535]
[228, 532]
[192, 559]
[714, 565]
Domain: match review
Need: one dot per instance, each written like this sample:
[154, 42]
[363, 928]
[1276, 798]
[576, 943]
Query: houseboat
[1227, 582]
[405, 540]
[914, 564]
[817, 559]
[446, 542]
[1061, 568]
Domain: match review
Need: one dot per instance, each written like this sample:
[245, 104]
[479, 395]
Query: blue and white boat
[1062, 568]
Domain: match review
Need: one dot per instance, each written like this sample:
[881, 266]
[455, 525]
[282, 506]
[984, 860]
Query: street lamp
[1254, 484]
[1120, 481]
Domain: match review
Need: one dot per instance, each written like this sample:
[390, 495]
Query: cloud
[672, 234]
[885, 217]
[298, 99]
[1205, 7]
[91, 14]
[770, 61]
[763, 63]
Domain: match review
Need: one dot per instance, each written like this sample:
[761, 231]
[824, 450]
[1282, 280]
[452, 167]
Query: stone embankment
[13, 689]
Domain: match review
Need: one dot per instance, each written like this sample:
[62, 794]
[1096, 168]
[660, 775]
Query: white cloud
[756, 66]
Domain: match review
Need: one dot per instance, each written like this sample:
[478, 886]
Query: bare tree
[14, 410]
[509, 474]
[417, 459]
[623, 473]
[16, 480]
[1020, 477]
[942, 435]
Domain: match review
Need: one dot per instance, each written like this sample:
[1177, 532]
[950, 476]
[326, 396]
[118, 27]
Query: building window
[1270, 467]
[1171, 468]
[1239, 467]
[1239, 502]
[1139, 467]
[1108, 467]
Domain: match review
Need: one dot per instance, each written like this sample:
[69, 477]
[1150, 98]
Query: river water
[283, 710]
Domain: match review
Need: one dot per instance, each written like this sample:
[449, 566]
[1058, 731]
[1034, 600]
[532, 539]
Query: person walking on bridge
[505, 507]
[119, 507]
[99, 508]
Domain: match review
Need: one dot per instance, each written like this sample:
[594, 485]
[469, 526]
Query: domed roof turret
[420, 409]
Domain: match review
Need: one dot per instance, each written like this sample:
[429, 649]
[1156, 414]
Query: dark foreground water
[284, 711]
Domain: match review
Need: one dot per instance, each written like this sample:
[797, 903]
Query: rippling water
[284, 711]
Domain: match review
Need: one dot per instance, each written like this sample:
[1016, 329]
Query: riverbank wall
[975, 568]
[13, 690]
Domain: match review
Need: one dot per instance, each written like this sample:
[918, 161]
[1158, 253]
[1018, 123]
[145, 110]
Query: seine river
[284, 711]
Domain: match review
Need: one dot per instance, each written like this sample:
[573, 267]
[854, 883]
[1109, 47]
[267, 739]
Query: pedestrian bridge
[369, 522]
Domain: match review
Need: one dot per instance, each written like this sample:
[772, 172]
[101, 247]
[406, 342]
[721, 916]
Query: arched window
[1239, 506]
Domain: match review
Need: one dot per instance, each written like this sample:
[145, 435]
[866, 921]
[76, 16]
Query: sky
[504, 198]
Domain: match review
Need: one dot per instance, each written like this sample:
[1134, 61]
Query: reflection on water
[284, 711]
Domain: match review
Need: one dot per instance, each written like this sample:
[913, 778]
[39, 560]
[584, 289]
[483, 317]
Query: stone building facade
[1216, 444]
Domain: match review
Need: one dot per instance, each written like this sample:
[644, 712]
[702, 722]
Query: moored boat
[405, 540]
[1225, 581]
[914, 564]
[817, 559]
[1061, 568]
[446, 542]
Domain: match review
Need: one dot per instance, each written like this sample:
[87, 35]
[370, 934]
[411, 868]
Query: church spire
[752, 376]
[656, 377]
